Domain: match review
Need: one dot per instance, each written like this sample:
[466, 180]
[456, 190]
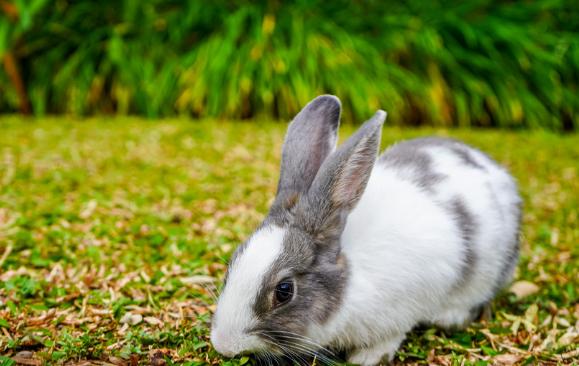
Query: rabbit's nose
[223, 344]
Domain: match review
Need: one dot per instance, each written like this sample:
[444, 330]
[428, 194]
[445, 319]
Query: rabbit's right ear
[310, 138]
[341, 182]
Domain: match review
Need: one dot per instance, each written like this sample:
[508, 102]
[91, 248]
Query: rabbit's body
[433, 237]
[356, 251]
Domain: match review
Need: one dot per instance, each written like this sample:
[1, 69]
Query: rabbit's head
[289, 277]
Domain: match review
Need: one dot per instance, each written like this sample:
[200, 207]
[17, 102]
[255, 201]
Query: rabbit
[357, 250]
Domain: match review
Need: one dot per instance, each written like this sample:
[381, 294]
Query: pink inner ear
[353, 176]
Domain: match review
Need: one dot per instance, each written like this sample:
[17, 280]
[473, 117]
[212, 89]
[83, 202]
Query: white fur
[234, 314]
[404, 252]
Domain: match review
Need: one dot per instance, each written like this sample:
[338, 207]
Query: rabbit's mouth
[230, 345]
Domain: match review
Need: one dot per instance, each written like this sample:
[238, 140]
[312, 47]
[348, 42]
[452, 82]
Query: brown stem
[11, 68]
[11, 64]
[9, 9]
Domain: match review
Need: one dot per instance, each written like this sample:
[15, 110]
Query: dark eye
[284, 291]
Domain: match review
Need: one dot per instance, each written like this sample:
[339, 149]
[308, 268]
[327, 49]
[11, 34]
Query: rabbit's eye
[284, 291]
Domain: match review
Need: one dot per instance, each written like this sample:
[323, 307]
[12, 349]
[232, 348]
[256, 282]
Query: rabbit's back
[477, 194]
[434, 236]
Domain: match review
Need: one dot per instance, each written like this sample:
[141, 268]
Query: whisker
[277, 345]
[265, 358]
[307, 344]
[210, 290]
[288, 345]
[314, 355]
[301, 337]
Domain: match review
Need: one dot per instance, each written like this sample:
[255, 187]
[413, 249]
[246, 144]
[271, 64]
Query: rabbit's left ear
[310, 138]
[342, 179]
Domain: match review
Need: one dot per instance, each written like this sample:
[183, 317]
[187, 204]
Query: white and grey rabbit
[358, 249]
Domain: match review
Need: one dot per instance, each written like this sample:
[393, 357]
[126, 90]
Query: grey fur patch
[414, 154]
[461, 150]
[320, 276]
[466, 223]
[463, 153]
[409, 154]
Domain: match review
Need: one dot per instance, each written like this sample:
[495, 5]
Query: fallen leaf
[134, 359]
[531, 318]
[117, 361]
[568, 355]
[570, 337]
[26, 358]
[549, 342]
[88, 210]
[153, 321]
[132, 319]
[157, 357]
[563, 322]
[523, 289]
[197, 280]
[506, 359]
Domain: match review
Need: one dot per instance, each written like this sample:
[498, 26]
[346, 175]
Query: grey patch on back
[414, 153]
[458, 148]
[409, 155]
[466, 224]
[462, 152]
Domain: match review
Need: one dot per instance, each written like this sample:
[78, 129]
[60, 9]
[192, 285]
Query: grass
[114, 233]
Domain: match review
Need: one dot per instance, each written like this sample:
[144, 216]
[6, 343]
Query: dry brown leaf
[117, 361]
[100, 311]
[132, 319]
[26, 358]
[549, 342]
[153, 321]
[523, 289]
[197, 280]
[506, 359]
[571, 336]
[568, 355]
[157, 357]
[88, 210]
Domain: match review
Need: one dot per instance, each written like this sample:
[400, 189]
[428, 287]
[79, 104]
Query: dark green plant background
[451, 63]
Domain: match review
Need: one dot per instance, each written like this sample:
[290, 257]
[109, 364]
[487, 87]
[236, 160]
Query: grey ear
[310, 138]
[342, 179]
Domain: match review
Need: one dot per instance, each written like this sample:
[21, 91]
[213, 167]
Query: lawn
[114, 234]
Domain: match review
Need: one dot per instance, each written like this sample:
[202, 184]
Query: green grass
[114, 233]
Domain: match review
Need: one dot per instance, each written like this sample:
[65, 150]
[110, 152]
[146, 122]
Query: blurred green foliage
[453, 63]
